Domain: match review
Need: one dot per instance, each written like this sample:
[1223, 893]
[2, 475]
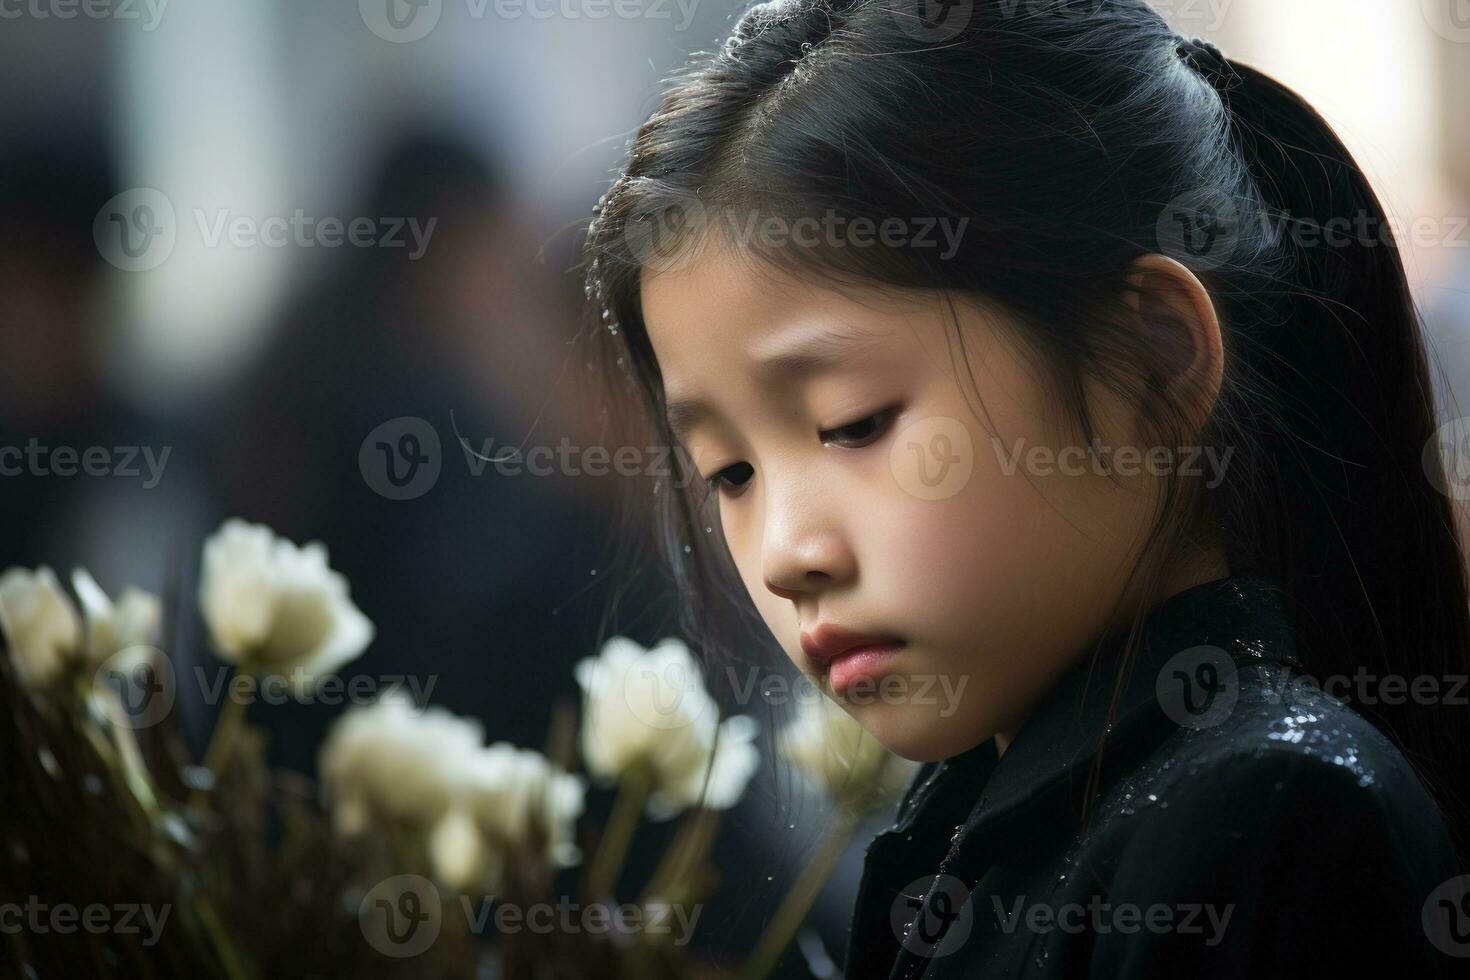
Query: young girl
[1031, 352]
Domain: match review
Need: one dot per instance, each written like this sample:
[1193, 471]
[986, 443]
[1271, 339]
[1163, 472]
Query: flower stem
[134, 771]
[94, 705]
[685, 853]
[602, 874]
[222, 739]
[219, 935]
[797, 903]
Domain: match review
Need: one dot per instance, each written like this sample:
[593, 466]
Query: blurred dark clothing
[1285, 815]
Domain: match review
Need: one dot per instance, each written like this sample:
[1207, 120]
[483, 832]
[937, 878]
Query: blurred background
[245, 244]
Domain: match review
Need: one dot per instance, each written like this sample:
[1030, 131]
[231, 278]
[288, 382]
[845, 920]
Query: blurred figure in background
[86, 477]
[50, 375]
[485, 584]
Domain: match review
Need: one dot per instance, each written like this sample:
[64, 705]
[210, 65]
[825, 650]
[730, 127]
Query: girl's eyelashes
[732, 479]
[854, 435]
[863, 432]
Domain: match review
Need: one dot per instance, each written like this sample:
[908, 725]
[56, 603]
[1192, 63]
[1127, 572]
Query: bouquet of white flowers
[126, 857]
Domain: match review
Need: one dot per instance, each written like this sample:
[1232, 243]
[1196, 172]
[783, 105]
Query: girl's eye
[863, 432]
[854, 435]
[732, 479]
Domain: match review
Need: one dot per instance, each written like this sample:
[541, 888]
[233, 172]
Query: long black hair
[1076, 136]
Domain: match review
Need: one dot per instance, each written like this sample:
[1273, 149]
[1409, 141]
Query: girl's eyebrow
[783, 359]
[787, 357]
[683, 414]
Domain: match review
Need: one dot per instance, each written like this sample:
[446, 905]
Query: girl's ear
[1174, 311]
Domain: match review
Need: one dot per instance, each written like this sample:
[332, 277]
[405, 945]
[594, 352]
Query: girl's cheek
[995, 579]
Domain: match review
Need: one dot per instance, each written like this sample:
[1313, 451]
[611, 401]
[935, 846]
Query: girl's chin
[918, 734]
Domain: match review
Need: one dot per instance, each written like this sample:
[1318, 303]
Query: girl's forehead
[721, 300]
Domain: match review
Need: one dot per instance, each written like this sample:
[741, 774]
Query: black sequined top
[1247, 823]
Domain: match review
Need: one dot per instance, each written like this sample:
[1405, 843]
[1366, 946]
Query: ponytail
[1344, 515]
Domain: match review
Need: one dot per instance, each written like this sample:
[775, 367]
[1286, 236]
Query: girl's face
[861, 484]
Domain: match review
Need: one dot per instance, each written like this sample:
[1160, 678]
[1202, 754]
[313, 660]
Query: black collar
[1183, 640]
[1243, 618]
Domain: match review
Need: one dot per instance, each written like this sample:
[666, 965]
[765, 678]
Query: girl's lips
[847, 655]
[859, 663]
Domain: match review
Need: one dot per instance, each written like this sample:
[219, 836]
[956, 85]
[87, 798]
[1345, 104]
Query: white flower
[429, 770]
[41, 625]
[278, 605]
[45, 633]
[504, 796]
[512, 792]
[457, 850]
[838, 755]
[132, 622]
[393, 759]
[649, 708]
[735, 760]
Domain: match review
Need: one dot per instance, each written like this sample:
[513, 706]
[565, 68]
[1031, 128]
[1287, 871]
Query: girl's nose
[804, 549]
